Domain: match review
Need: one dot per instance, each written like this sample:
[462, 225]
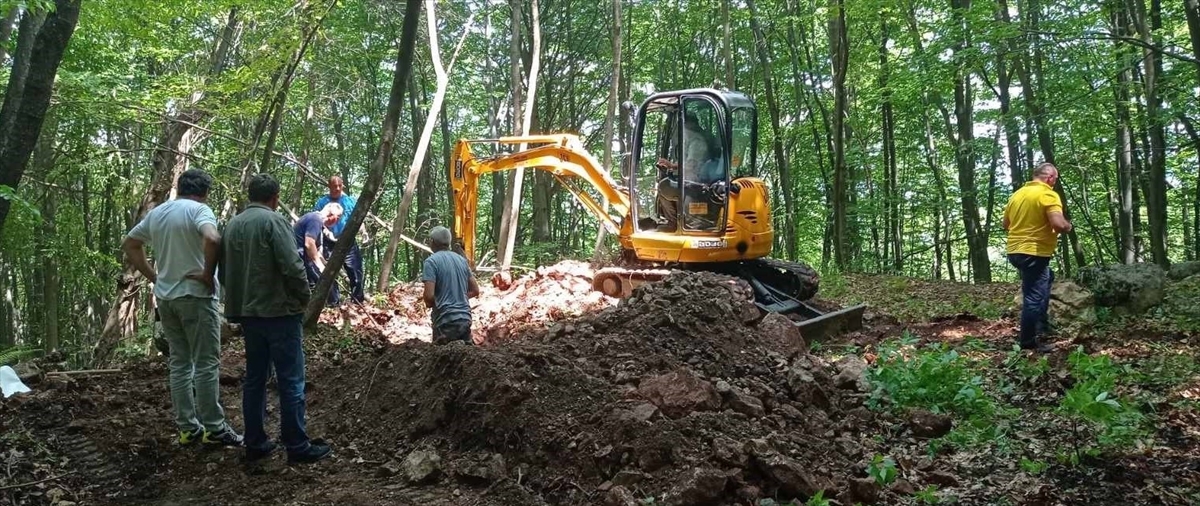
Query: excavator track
[796, 280]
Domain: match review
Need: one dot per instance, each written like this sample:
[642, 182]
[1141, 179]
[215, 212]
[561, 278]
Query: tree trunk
[1194, 233]
[40, 47]
[168, 161]
[1156, 198]
[781, 161]
[839, 47]
[514, 84]
[420, 156]
[611, 111]
[726, 45]
[512, 207]
[1012, 130]
[1031, 79]
[375, 171]
[1127, 252]
[964, 153]
[892, 227]
[1191, 9]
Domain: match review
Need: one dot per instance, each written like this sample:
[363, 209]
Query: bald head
[335, 187]
[1046, 172]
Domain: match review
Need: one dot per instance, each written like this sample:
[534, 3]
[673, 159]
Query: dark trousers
[274, 342]
[457, 330]
[1036, 278]
[353, 266]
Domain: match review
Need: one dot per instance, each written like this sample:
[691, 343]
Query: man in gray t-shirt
[449, 283]
[183, 235]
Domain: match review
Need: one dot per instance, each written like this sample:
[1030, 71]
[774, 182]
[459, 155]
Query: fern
[16, 354]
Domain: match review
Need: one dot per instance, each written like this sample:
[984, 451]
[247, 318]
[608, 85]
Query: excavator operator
[701, 168]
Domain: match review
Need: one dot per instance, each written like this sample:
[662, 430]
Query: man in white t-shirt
[183, 235]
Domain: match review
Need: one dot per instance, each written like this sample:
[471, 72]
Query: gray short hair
[440, 236]
[332, 208]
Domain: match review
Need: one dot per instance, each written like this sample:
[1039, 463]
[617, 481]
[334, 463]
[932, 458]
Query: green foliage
[882, 469]
[817, 499]
[1026, 370]
[1094, 407]
[12, 355]
[928, 495]
[935, 377]
[1033, 467]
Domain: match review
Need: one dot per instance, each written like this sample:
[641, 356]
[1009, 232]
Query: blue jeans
[274, 341]
[1036, 278]
[354, 270]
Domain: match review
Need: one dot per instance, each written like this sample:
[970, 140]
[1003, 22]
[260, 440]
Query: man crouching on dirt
[266, 291]
[449, 283]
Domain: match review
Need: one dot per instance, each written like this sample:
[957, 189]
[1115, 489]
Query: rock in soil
[699, 487]
[926, 424]
[421, 466]
[680, 392]
[852, 374]
[864, 490]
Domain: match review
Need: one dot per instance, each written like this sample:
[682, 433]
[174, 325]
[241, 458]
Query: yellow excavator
[684, 202]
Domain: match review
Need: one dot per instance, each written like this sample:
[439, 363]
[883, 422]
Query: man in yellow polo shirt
[1033, 219]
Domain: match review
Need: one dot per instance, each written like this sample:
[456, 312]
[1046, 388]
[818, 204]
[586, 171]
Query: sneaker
[188, 437]
[317, 450]
[256, 454]
[223, 437]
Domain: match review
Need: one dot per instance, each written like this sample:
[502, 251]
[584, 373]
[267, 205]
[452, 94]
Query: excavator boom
[562, 155]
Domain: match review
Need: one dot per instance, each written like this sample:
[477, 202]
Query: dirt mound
[551, 293]
[676, 394]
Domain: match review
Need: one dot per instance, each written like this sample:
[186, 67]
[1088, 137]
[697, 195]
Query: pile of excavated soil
[679, 393]
[549, 294]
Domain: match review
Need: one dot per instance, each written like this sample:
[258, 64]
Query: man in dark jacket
[266, 292]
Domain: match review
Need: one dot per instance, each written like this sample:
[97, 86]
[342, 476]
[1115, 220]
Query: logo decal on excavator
[709, 243]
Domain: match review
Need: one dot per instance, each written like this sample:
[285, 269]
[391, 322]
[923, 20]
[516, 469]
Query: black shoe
[317, 450]
[223, 437]
[256, 454]
[1040, 348]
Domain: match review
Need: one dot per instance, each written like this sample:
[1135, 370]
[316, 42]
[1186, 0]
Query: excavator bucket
[821, 325]
[815, 324]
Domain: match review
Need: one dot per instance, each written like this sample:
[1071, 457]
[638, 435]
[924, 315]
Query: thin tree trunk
[781, 161]
[1012, 130]
[892, 242]
[964, 153]
[839, 47]
[1156, 198]
[375, 171]
[726, 44]
[1194, 244]
[419, 157]
[1124, 149]
[513, 205]
[514, 83]
[610, 112]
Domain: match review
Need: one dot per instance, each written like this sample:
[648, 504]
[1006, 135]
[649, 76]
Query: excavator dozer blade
[821, 327]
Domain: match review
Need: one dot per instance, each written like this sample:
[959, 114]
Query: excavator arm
[562, 155]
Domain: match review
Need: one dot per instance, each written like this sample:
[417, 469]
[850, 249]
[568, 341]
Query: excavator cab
[685, 148]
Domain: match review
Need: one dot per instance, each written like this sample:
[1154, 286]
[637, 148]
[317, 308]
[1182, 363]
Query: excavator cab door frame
[711, 191]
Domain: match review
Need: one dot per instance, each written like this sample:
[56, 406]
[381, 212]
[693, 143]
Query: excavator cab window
[705, 167]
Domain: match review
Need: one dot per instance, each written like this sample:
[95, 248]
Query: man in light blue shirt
[353, 264]
[183, 235]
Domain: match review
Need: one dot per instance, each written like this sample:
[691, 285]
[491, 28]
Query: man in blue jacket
[353, 264]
